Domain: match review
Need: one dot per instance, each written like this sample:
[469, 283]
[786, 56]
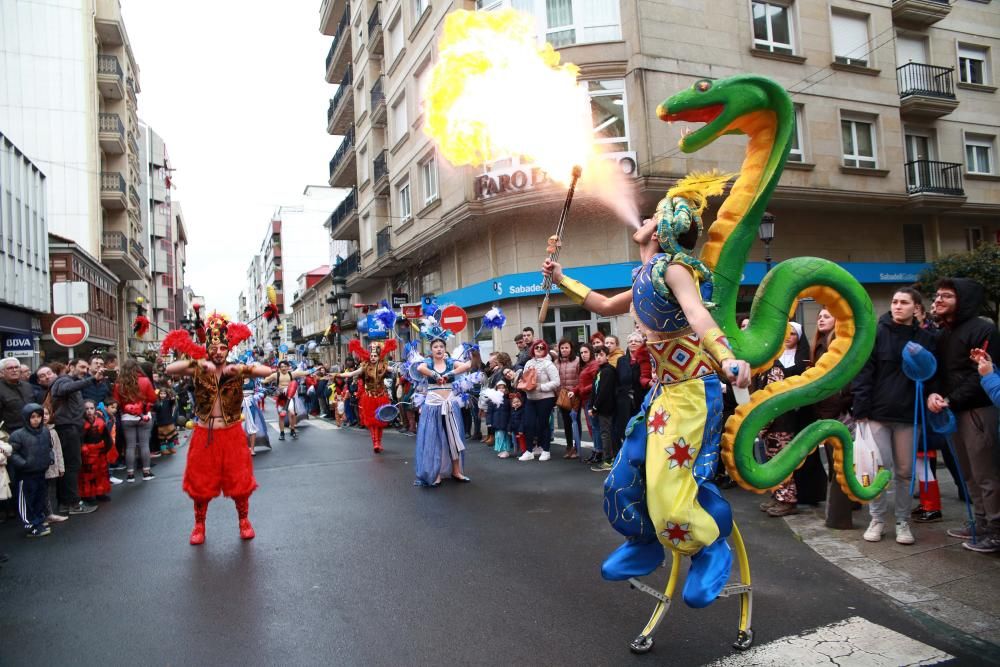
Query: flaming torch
[555, 241]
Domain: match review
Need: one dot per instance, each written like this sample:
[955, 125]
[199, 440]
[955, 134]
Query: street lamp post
[766, 234]
[339, 300]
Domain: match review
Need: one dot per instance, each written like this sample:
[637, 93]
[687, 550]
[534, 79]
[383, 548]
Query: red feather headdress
[179, 342]
[140, 326]
[385, 349]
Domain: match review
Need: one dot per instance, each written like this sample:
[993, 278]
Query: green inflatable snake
[761, 109]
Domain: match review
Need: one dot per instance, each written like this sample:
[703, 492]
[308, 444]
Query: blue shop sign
[619, 276]
[18, 345]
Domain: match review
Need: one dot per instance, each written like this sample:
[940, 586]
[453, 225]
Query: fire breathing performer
[218, 458]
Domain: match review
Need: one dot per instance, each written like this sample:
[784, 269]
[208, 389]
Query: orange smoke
[495, 93]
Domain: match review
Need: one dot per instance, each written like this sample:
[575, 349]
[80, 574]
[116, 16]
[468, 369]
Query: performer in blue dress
[440, 445]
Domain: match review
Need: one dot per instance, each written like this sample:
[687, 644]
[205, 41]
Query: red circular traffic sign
[453, 319]
[70, 330]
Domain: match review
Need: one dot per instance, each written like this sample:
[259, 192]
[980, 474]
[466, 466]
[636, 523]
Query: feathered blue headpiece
[381, 321]
[431, 331]
[494, 319]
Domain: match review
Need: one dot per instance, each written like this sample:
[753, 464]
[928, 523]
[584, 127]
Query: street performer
[218, 459]
[284, 400]
[372, 394]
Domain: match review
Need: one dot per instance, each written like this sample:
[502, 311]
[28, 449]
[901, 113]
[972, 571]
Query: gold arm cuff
[574, 289]
[716, 345]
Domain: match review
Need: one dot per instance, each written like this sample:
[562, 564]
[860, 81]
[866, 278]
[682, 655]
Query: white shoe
[56, 518]
[114, 480]
[545, 456]
[527, 456]
[503, 455]
[874, 532]
[903, 534]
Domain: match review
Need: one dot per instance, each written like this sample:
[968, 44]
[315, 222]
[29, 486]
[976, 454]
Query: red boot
[376, 440]
[243, 510]
[200, 512]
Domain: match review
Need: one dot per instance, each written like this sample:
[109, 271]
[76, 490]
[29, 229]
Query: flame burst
[494, 93]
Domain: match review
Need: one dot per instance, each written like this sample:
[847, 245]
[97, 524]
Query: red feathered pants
[219, 461]
[368, 404]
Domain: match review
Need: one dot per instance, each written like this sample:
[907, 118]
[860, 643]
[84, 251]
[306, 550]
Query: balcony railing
[134, 197]
[133, 144]
[943, 178]
[381, 166]
[349, 266]
[342, 89]
[138, 253]
[346, 146]
[112, 122]
[374, 21]
[109, 65]
[112, 181]
[346, 208]
[926, 80]
[345, 21]
[382, 242]
[114, 241]
[377, 93]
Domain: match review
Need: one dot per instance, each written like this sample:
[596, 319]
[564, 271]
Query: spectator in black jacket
[957, 304]
[15, 393]
[32, 456]
[67, 415]
[883, 398]
[100, 390]
[604, 406]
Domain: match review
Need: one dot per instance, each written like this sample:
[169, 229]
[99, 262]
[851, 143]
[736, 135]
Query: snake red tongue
[702, 115]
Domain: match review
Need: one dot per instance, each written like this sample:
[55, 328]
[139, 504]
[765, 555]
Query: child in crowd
[55, 471]
[96, 449]
[499, 419]
[338, 396]
[31, 455]
[515, 427]
[603, 406]
[166, 422]
[113, 412]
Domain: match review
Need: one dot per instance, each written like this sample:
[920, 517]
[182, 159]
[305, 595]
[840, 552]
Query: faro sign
[18, 345]
[526, 177]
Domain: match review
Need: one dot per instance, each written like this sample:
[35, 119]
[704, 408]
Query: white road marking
[852, 642]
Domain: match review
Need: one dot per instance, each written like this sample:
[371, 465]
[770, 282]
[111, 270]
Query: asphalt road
[353, 565]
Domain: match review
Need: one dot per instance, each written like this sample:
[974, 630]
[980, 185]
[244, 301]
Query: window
[429, 180]
[403, 201]
[395, 39]
[795, 154]
[772, 27]
[398, 120]
[607, 109]
[567, 22]
[978, 154]
[913, 244]
[973, 237]
[858, 138]
[363, 174]
[850, 39]
[367, 233]
[360, 99]
[419, 7]
[422, 80]
[972, 64]
[359, 30]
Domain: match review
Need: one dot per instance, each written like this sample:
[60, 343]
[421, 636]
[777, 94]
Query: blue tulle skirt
[439, 438]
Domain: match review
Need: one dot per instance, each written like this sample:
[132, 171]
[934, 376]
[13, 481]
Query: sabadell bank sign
[525, 177]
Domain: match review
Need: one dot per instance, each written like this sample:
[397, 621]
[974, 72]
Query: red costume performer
[371, 389]
[97, 451]
[218, 459]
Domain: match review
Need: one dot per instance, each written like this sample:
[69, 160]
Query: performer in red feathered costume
[372, 394]
[218, 459]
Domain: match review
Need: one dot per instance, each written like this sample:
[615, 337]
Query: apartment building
[311, 312]
[163, 227]
[894, 161]
[70, 84]
[267, 270]
[24, 254]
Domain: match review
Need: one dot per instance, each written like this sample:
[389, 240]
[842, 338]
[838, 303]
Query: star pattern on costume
[679, 454]
[658, 422]
[677, 532]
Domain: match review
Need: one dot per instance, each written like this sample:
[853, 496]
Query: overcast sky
[236, 90]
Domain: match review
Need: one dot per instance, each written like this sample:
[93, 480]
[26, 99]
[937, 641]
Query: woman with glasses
[541, 400]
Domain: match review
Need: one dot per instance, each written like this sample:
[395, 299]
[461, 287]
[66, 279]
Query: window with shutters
[858, 138]
[850, 39]
[979, 154]
[972, 64]
[913, 244]
[795, 154]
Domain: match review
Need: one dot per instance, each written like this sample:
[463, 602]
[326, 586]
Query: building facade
[24, 254]
[83, 132]
[267, 270]
[310, 316]
[893, 165]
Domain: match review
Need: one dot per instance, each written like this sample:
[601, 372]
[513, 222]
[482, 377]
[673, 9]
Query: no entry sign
[70, 330]
[453, 319]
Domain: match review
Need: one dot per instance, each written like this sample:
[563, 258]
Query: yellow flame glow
[495, 93]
